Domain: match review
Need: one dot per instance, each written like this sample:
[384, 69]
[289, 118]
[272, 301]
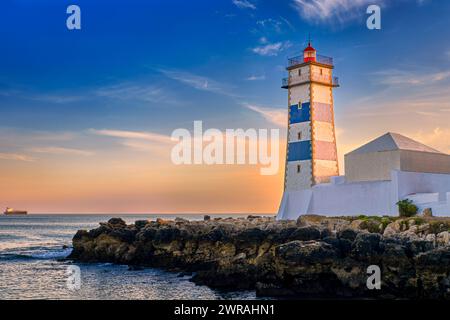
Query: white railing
[317, 77]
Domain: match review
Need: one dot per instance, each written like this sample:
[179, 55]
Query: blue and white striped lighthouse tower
[311, 155]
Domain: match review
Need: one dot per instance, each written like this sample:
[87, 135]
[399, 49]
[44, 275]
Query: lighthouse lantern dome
[309, 54]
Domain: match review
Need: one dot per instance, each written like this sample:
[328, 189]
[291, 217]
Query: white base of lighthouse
[341, 198]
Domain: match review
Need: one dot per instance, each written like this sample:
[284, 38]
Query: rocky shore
[314, 257]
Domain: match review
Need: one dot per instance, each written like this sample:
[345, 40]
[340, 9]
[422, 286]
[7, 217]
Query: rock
[139, 224]
[206, 218]
[423, 228]
[305, 233]
[181, 220]
[162, 221]
[356, 224]
[349, 234]
[430, 237]
[240, 256]
[118, 222]
[392, 229]
[443, 238]
[305, 252]
[332, 224]
[366, 244]
[427, 212]
[315, 256]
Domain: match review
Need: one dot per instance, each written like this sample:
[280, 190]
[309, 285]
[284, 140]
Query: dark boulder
[366, 245]
[139, 224]
[305, 234]
[117, 222]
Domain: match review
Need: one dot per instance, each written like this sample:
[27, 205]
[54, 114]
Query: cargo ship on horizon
[11, 211]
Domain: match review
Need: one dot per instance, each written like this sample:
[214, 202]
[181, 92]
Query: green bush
[406, 208]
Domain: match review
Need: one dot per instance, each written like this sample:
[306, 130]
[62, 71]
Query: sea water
[32, 246]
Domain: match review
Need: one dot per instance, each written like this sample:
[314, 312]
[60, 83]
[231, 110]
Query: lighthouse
[311, 155]
[378, 174]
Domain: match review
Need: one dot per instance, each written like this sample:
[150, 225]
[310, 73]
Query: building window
[299, 72]
[299, 135]
[298, 168]
[321, 72]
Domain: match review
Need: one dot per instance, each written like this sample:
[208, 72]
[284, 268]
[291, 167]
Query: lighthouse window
[299, 72]
[298, 168]
[321, 71]
[299, 135]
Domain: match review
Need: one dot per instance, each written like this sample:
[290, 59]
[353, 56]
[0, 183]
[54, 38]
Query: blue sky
[154, 66]
[130, 46]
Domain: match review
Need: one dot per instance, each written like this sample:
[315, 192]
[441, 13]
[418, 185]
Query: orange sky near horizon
[118, 179]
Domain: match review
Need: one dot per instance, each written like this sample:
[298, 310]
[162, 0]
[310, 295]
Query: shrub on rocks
[406, 208]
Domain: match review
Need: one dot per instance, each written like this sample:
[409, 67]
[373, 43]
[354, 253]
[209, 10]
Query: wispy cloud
[400, 77]
[270, 24]
[438, 138]
[320, 11]
[57, 98]
[272, 115]
[142, 135]
[271, 49]
[141, 141]
[128, 91]
[197, 82]
[256, 77]
[16, 157]
[62, 151]
[244, 4]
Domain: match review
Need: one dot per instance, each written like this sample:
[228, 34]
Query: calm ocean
[30, 247]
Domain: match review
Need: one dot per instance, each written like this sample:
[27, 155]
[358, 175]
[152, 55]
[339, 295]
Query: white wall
[371, 197]
[419, 182]
[373, 166]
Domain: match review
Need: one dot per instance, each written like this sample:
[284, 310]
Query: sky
[86, 115]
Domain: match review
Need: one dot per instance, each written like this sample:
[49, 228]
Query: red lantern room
[309, 54]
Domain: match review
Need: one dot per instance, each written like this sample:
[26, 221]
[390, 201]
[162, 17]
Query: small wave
[36, 255]
[57, 254]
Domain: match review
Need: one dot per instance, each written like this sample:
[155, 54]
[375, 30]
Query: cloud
[320, 11]
[395, 77]
[271, 49]
[149, 142]
[127, 91]
[244, 4]
[270, 24]
[141, 135]
[62, 151]
[256, 78]
[197, 82]
[273, 115]
[15, 156]
[58, 99]
[438, 138]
